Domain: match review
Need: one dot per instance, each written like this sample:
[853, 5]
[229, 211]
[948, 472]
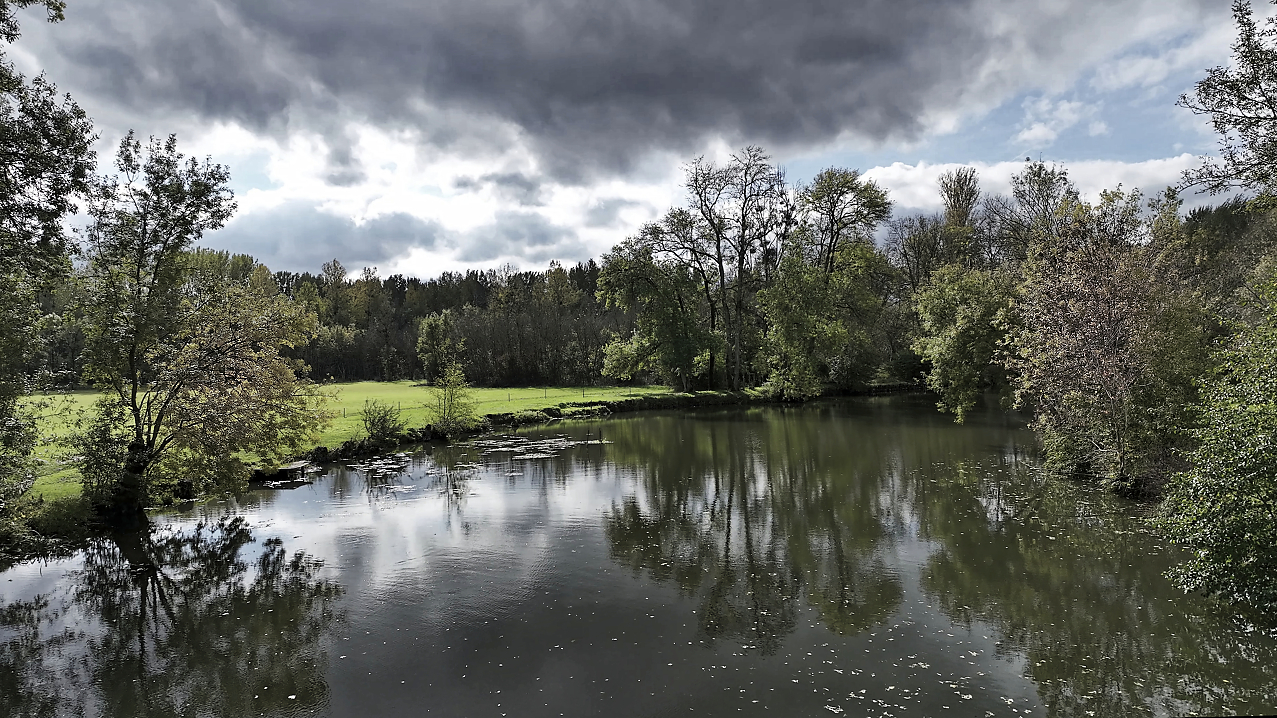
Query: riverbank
[584, 409]
[57, 520]
[58, 413]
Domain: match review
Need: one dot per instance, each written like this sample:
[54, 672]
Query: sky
[421, 136]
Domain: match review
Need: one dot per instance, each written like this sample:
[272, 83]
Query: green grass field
[59, 412]
[414, 402]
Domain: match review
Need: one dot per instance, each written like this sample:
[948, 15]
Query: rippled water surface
[866, 557]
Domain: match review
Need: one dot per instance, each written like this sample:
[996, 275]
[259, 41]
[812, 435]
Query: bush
[97, 447]
[454, 408]
[382, 422]
[1224, 509]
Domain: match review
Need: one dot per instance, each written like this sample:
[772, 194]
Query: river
[861, 556]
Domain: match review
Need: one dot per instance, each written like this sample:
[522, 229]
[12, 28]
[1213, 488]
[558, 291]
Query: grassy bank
[499, 406]
[414, 402]
[59, 411]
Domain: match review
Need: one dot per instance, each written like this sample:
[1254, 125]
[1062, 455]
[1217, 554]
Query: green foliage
[668, 334]
[1106, 349]
[840, 207]
[1223, 508]
[822, 321]
[964, 315]
[98, 447]
[437, 345]
[191, 361]
[1237, 99]
[17, 427]
[9, 30]
[454, 408]
[803, 332]
[382, 421]
[45, 142]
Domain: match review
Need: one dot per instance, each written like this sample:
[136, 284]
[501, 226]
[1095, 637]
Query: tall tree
[1105, 351]
[841, 207]
[191, 365]
[45, 161]
[964, 314]
[741, 211]
[821, 305]
[1239, 102]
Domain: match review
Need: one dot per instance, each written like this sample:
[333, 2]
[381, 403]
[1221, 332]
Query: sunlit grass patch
[59, 412]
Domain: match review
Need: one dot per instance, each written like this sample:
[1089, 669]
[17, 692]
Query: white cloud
[1045, 119]
[914, 187]
[1207, 46]
[472, 224]
[1036, 135]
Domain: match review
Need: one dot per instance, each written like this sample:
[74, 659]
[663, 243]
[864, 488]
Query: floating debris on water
[524, 448]
[382, 466]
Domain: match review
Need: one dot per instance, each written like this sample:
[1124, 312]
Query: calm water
[866, 557]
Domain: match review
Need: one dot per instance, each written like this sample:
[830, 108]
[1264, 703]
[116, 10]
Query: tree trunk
[128, 502]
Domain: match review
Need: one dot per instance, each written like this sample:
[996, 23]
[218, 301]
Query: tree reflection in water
[753, 516]
[1064, 577]
[173, 623]
[751, 511]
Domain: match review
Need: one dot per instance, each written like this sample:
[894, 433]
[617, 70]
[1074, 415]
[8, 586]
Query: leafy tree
[437, 345]
[729, 239]
[964, 315]
[45, 151]
[822, 325]
[1238, 101]
[840, 207]
[918, 245]
[1105, 352]
[804, 333]
[193, 363]
[1032, 210]
[1222, 508]
[454, 408]
[1107, 346]
[669, 338]
[965, 306]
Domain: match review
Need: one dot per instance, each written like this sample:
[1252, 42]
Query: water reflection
[750, 514]
[750, 517]
[865, 556]
[173, 623]
[1071, 583]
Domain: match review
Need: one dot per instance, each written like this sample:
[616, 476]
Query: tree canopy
[191, 361]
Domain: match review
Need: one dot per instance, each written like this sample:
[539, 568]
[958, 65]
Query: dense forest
[1139, 337]
[518, 328]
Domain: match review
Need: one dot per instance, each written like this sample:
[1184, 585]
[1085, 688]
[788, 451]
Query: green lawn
[60, 410]
[414, 402]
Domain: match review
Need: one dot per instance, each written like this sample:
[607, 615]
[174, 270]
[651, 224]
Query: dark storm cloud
[524, 234]
[511, 186]
[607, 212]
[297, 236]
[592, 86]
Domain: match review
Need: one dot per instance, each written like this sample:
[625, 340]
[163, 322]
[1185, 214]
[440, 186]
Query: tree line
[518, 328]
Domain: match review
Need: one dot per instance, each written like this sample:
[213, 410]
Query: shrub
[454, 407]
[382, 421]
[1224, 509]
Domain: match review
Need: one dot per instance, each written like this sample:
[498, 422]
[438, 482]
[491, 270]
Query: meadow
[59, 413]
